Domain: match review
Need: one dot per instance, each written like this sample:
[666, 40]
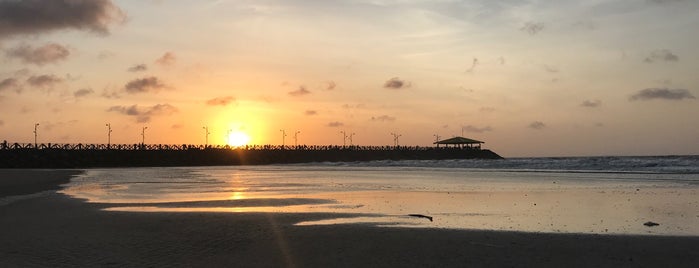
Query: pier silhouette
[50, 155]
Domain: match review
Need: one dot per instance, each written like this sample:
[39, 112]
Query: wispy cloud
[144, 114]
[300, 92]
[537, 125]
[142, 85]
[532, 28]
[83, 92]
[383, 118]
[476, 129]
[330, 85]
[39, 16]
[591, 103]
[43, 81]
[662, 94]
[395, 83]
[138, 68]
[474, 63]
[167, 59]
[9, 83]
[311, 112]
[49, 53]
[335, 124]
[222, 101]
[661, 55]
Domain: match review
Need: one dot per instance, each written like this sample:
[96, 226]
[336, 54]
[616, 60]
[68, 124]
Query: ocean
[600, 195]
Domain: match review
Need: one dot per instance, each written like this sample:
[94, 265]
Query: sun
[238, 139]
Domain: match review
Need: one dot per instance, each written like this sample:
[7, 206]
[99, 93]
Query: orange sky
[528, 78]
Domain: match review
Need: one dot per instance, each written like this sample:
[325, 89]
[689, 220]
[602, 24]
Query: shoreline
[56, 230]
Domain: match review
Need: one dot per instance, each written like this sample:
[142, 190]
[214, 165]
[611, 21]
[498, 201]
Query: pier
[28, 155]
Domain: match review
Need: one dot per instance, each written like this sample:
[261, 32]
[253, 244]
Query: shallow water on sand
[463, 198]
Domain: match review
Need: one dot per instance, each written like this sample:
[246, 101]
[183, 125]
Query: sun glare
[238, 139]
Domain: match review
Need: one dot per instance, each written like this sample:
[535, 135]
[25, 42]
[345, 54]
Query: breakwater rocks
[155, 155]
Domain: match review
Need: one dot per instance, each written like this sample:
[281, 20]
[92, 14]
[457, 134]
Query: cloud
[41, 16]
[110, 94]
[83, 92]
[335, 124]
[48, 53]
[144, 114]
[475, 129]
[138, 68]
[591, 103]
[9, 83]
[311, 112]
[662, 93]
[532, 28]
[395, 83]
[142, 85]
[383, 118]
[474, 63]
[537, 125]
[550, 69]
[223, 101]
[661, 55]
[167, 59]
[2, 123]
[330, 85]
[486, 109]
[43, 80]
[300, 92]
[356, 106]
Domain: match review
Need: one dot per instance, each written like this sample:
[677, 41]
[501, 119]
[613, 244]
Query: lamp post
[296, 138]
[109, 135]
[395, 139]
[228, 137]
[143, 135]
[283, 137]
[350, 138]
[344, 138]
[436, 139]
[35, 134]
[206, 135]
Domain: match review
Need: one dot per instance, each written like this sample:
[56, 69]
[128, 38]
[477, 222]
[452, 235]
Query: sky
[529, 78]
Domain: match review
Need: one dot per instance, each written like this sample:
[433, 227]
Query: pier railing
[183, 147]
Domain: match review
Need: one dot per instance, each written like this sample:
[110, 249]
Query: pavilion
[461, 142]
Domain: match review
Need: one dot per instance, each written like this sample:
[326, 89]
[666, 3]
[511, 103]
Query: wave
[622, 164]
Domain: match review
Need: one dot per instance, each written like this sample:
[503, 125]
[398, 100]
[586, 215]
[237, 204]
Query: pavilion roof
[458, 140]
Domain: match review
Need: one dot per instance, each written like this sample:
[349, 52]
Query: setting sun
[238, 139]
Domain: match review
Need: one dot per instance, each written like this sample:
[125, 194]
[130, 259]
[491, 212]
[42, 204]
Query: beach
[55, 230]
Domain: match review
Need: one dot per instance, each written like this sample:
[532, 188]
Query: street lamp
[283, 137]
[395, 139]
[228, 137]
[109, 135]
[296, 138]
[350, 138]
[35, 134]
[206, 134]
[344, 138]
[143, 135]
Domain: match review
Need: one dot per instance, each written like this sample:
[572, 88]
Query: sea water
[615, 195]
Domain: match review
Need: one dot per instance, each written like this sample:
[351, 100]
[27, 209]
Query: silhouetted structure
[461, 142]
[136, 155]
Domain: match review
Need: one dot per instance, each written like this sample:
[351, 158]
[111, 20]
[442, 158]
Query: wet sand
[55, 230]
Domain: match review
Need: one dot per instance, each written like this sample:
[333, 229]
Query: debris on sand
[421, 216]
[651, 224]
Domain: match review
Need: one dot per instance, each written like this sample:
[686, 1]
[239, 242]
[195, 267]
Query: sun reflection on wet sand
[539, 206]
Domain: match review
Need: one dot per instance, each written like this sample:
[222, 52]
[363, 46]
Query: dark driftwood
[421, 216]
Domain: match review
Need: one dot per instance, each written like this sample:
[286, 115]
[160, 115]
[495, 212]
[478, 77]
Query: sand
[57, 231]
